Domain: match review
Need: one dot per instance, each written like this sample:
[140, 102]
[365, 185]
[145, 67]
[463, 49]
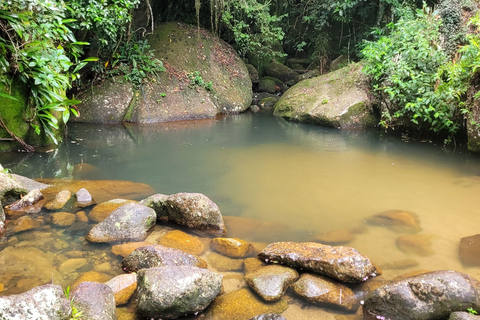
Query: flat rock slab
[193, 210]
[428, 296]
[158, 256]
[345, 264]
[95, 300]
[47, 302]
[272, 281]
[129, 222]
[172, 292]
[232, 247]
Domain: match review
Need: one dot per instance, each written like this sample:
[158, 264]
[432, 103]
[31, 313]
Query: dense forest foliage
[422, 57]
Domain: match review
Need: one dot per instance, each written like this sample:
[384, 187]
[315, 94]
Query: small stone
[268, 316]
[336, 237]
[82, 217]
[182, 241]
[84, 198]
[104, 209]
[396, 220]
[72, 265]
[90, 276]
[103, 267]
[125, 249]
[60, 200]
[232, 247]
[420, 245]
[222, 263]
[74, 254]
[63, 219]
[123, 287]
[272, 281]
[23, 224]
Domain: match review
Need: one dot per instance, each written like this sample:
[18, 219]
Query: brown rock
[253, 229]
[59, 201]
[321, 290]
[26, 201]
[400, 264]
[242, 305]
[342, 263]
[23, 224]
[123, 287]
[272, 281]
[224, 264]
[335, 237]
[82, 216]
[252, 264]
[72, 265]
[182, 241]
[125, 249]
[396, 220]
[103, 210]
[63, 219]
[86, 171]
[90, 276]
[232, 247]
[470, 251]
[420, 245]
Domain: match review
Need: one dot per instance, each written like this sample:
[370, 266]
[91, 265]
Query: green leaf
[7, 96]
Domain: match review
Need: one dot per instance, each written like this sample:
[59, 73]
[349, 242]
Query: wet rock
[335, 237]
[342, 263]
[400, 264]
[2, 221]
[252, 264]
[10, 190]
[396, 220]
[268, 102]
[158, 256]
[420, 244]
[222, 263]
[433, 295]
[272, 281]
[470, 251]
[192, 210]
[125, 249]
[63, 219]
[182, 241]
[280, 71]
[259, 96]
[254, 108]
[232, 247]
[72, 265]
[171, 292]
[129, 222]
[24, 223]
[123, 287]
[458, 315]
[59, 201]
[26, 201]
[242, 304]
[95, 300]
[321, 290]
[101, 211]
[84, 198]
[43, 302]
[82, 216]
[90, 276]
[268, 316]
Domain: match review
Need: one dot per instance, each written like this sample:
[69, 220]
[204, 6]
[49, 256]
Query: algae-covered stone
[95, 300]
[180, 240]
[252, 71]
[268, 102]
[151, 256]
[280, 71]
[59, 201]
[338, 99]
[232, 247]
[242, 305]
[130, 222]
[272, 281]
[342, 263]
[63, 219]
[266, 85]
[171, 292]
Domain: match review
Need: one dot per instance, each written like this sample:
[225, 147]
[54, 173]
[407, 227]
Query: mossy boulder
[187, 52]
[266, 85]
[280, 71]
[338, 99]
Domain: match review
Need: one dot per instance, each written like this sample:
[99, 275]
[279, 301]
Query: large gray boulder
[172, 292]
[158, 256]
[192, 57]
[192, 210]
[14, 186]
[342, 263]
[130, 222]
[47, 302]
[338, 99]
[95, 300]
[429, 296]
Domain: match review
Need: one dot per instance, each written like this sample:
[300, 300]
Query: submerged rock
[63, 219]
[419, 244]
[222, 263]
[158, 256]
[321, 290]
[268, 316]
[272, 281]
[242, 304]
[338, 99]
[47, 302]
[104, 209]
[182, 241]
[90, 276]
[192, 210]
[129, 222]
[124, 249]
[24, 223]
[59, 201]
[429, 296]
[342, 263]
[95, 300]
[172, 292]
[470, 251]
[335, 237]
[123, 287]
[232, 247]
[252, 264]
[396, 220]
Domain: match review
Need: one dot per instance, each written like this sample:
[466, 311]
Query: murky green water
[297, 180]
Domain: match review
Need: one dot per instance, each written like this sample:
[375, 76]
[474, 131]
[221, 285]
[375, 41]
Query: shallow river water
[294, 181]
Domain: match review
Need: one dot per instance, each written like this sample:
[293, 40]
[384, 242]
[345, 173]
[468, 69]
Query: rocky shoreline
[185, 270]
